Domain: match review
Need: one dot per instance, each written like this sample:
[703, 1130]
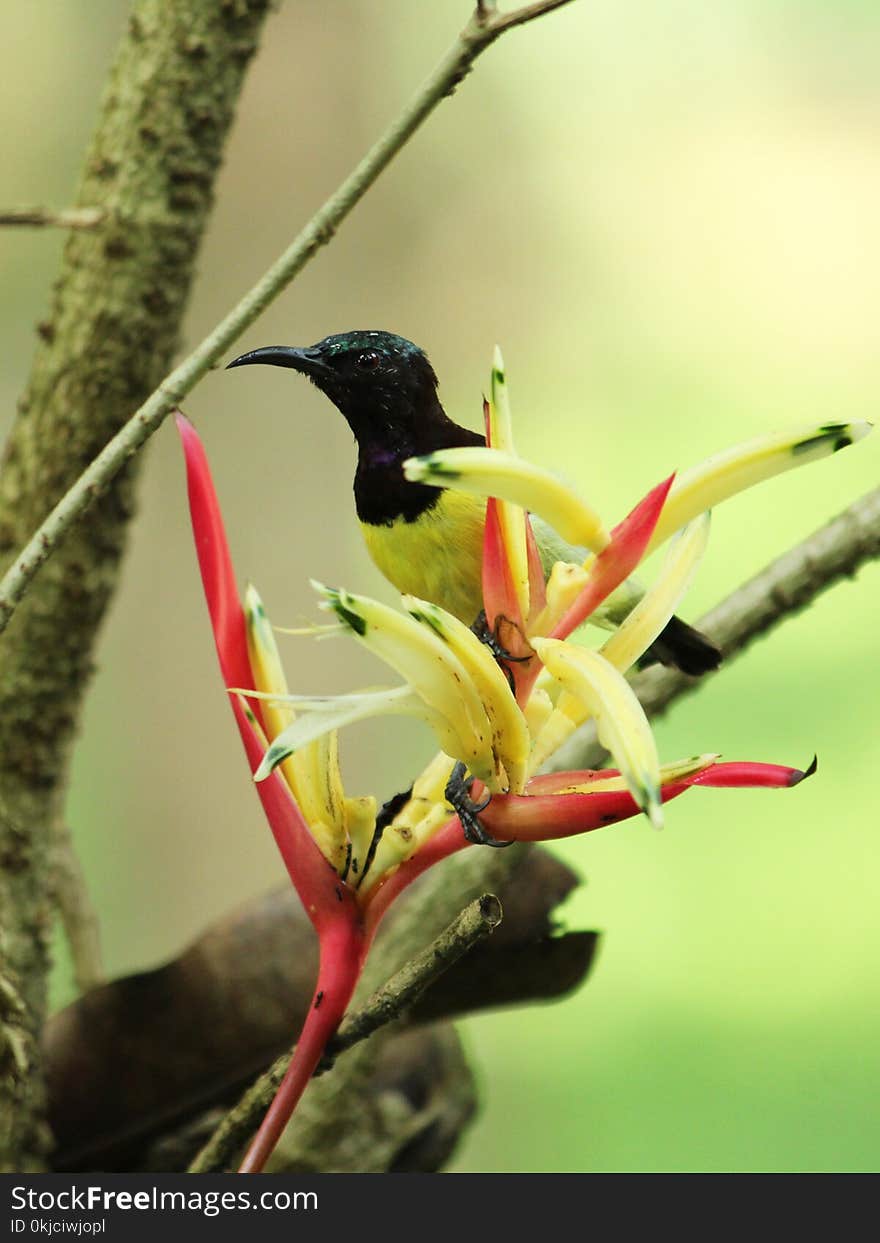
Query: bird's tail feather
[682, 647]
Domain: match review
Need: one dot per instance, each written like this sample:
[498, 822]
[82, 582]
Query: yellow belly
[438, 557]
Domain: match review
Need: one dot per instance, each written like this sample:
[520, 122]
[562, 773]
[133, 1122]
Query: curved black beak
[306, 361]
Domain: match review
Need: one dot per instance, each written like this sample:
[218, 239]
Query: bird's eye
[368, 361]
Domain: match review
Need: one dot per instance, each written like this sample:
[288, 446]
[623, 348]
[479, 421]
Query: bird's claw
[458, 789]
[489, 636]
[486, 634]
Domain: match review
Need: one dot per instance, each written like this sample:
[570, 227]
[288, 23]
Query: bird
[427, 540]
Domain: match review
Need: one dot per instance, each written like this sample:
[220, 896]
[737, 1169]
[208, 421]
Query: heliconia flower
[500, 715]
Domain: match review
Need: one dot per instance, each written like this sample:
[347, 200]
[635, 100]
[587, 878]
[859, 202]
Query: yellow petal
[489, 472]
[677, 770]
[430, 785]
[432, 670]
[538, 710]
[620, 719]
[719, 477]
[320, 795]
[647, 620]
[500, 422]
[564, 585]
[326, 714]
[565, 718]
[360, 823]
[510, 735]
[265, 662]
[419, 818]
[312, 792]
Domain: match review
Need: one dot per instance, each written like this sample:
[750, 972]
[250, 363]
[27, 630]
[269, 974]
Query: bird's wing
[552, 547]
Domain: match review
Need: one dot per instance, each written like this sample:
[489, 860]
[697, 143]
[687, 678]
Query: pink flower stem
[343, 949]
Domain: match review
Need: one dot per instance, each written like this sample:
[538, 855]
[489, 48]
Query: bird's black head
[383, 384]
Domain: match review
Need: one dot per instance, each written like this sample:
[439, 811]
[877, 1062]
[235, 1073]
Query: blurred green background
[667, 216]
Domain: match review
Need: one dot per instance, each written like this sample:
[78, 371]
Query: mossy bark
[107, 342]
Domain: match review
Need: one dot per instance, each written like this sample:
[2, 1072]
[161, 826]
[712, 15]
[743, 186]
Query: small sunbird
[426, 540]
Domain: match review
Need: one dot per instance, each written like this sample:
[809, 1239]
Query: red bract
[330, 905]
[499, 597]
[313, 878]
[616, 562]
[500, 601]
[545, 814]
[607, 571]
[540, 815]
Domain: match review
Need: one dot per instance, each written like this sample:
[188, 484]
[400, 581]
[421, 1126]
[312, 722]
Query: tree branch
[331, 1107]
[78, 916]
[44, 218]
[112, 331]
[518, 17]
[481, 31]
[781, 590]
[227, 1006]
[403, 990]
[387, 1004]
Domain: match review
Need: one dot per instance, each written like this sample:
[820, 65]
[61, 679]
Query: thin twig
[506, 21]
[484, 27]
[781, 590]
[404, 989]
[45, 218]
[78, 916]
[388, 1003]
